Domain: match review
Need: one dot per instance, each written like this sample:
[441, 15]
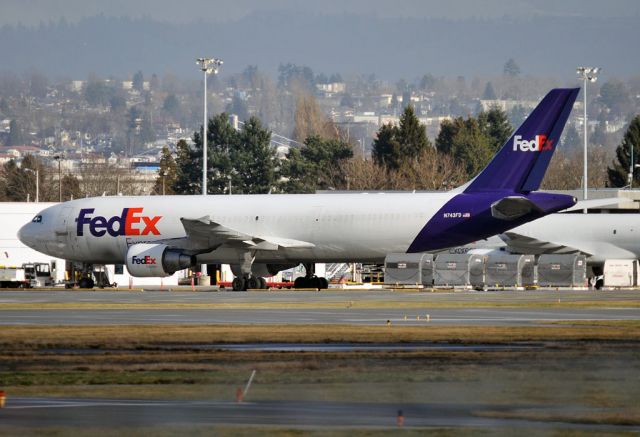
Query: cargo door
[62, 230]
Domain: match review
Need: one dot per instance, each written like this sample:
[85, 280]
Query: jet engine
[156, 260]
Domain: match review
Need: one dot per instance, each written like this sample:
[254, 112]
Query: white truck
[28, 275]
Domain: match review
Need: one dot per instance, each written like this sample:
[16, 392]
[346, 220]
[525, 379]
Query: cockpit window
[37, 219]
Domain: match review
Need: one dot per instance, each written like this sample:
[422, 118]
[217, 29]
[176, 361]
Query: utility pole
[59, 159]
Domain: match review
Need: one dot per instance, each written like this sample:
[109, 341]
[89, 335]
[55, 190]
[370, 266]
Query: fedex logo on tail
[539, 144]
[130, 222]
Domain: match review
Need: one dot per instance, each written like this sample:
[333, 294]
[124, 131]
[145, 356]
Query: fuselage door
[62, 230]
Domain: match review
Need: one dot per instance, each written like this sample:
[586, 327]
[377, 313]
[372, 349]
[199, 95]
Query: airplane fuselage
[363, 227]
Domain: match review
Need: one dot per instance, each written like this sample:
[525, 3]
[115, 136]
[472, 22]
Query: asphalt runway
[332, 308]
[106, 413]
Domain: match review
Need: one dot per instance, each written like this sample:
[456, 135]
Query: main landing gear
[250, 282]
[244, 280]
[310, 280]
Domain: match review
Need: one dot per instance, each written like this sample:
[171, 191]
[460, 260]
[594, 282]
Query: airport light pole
[207, 65]
[164, 175]
[587, 74]
[37, 173]
[59, 159]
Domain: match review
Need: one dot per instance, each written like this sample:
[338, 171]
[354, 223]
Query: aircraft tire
[238, 284]
[300, 282]
[263, 283]
[252, 283]
[86, 283]
[323, 283]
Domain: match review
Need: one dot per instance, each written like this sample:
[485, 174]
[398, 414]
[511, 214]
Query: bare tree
[428, 171]
[566, 170]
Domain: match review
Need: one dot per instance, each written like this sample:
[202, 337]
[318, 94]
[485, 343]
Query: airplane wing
[519, 243]
[204, 234]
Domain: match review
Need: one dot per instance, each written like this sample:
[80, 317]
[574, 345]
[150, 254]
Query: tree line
[243, 161]
[403, 158]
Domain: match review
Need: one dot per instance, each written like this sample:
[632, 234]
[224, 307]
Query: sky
[32, 12]
[392, 39]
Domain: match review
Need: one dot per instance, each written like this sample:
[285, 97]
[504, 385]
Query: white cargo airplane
[259, 235]
[599, 236]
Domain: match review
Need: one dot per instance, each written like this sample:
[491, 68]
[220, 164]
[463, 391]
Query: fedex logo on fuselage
[539, 144]
[130, 222]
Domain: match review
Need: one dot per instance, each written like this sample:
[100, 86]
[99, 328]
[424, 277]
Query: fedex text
[130, 222]
[539, 143]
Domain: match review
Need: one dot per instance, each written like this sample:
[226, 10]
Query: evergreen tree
[138, 81]
[467, 142]
[495, 125]
[472, 147]
[167, 173]
[448, 129]
[394, 145]
[511, 68]
[171, 104]
[16, 136]
[489, 92]
[427, 82]
[188, 168]
[254, 159]
[618, 173]
[412, 134]
[316, 166]
[222, 145]
[386, 147]
[243, 158]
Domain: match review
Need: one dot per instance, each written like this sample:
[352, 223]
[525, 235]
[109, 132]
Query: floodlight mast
[207, 65]
[586, 74]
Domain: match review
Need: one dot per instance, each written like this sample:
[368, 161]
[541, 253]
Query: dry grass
[627, 417]
[338, 304]
[134, 336]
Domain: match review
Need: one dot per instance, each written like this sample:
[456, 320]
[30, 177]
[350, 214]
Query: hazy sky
[31, 12]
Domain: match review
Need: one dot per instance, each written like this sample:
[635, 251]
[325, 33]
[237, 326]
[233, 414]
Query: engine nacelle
[156, 260]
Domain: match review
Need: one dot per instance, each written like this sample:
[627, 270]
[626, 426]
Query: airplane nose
[25, 235]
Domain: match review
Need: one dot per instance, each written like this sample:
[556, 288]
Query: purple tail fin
[522, 161]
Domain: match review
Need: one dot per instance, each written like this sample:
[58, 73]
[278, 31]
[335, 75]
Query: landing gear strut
[86, 276]
[244, 280]
[310, 280]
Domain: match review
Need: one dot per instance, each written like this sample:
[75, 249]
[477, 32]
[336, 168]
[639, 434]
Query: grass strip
[136, 335]
[351, 304]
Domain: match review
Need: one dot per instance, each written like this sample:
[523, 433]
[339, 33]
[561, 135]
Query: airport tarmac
[332, 307]
[28, 412]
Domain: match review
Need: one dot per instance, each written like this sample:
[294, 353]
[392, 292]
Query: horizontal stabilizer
[612, 202]
[518, 243]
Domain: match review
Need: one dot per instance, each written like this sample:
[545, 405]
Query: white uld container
[620, 272]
